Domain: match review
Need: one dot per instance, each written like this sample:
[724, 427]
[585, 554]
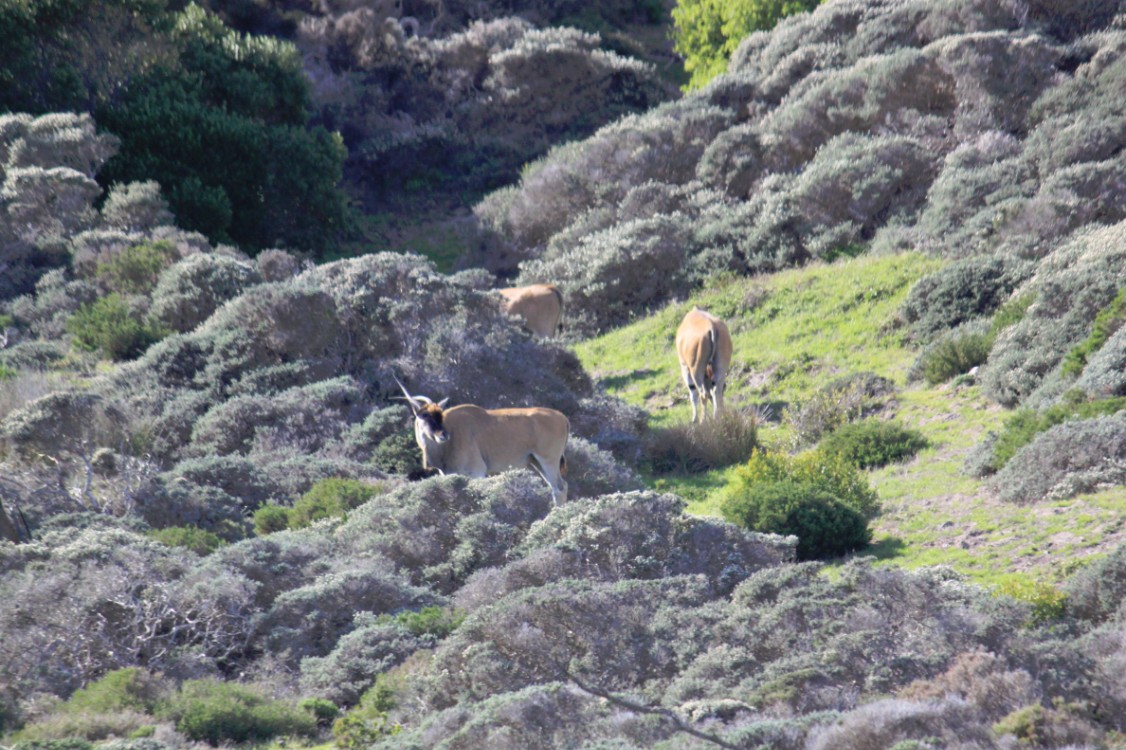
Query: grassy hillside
[797, 331]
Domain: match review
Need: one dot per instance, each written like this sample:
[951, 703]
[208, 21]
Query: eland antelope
[539, 305]
[703, 345]
[476, 442]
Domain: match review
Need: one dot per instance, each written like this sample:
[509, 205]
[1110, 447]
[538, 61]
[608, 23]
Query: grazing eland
[703, 345]
[539, 305]
[477, 442]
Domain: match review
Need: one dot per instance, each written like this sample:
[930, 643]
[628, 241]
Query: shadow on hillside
[611, 382]
[886, 548]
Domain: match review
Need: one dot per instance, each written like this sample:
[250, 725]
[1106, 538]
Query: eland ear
[443, 402]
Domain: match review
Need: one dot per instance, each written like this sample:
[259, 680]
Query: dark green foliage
[1107, 322]
[825, 526]
[200, 541]
[954, 354]
[217, 712]
[703, 446]
[110, 326]
[259, 178]
[872, 444]
[329, 498]
[397, 454]
[270, 518]
[1024, 425]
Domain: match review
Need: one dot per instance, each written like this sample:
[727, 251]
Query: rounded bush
[270, 518]
[213, 711]
[872, 444]
[825, 526]
[329, 498]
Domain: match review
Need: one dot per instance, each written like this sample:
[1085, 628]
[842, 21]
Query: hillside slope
[798, 332]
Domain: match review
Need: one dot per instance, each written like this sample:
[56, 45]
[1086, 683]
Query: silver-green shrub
[1066, 460]
[1071, 285]
[189, 291]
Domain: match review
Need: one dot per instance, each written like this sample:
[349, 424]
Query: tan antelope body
[539, 305]
[477, 442]
[703, 345]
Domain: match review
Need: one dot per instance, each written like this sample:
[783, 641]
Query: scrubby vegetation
[229, 230]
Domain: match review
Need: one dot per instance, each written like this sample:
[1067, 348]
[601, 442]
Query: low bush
[200, 541]
[270, 518]
[1070, 458]
[830, 473]
[960, 292]
[824, 525]
[217, 712]
[330, 498]
[697, 447]
[871, 444]
[952, 354]
[110, 326]
[1024, 425]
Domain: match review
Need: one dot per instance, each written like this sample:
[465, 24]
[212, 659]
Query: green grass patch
[792, 332]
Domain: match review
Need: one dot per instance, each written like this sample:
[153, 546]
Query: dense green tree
[219, 119]
[708, 31]
[224, 131]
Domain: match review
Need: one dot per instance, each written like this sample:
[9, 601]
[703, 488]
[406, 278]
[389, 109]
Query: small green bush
[324, 711]
[136, 269]
[824, 525]
[108, 325]
[872, 444]
[330, 498]
[830, 473]
[215, 712]
[129, 688]
[1107, 322]
[193, 538]
[954, 355]
[436, 621]
[270, 518]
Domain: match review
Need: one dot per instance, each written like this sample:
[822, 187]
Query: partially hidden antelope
[477, 442]
[540, 306]
[703, 345]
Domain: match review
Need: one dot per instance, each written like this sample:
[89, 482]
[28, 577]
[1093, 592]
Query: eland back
[540, 306]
